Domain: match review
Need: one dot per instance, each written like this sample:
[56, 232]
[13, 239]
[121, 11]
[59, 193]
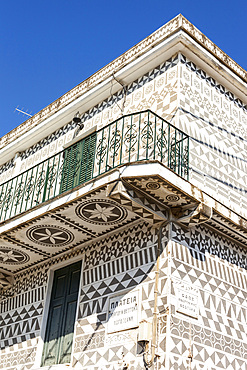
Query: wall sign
[186, 299]
[123, 312]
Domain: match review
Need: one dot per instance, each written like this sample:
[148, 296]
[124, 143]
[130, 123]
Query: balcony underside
[102, 207]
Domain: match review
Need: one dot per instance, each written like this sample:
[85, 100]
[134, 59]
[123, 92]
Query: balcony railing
[134, 137]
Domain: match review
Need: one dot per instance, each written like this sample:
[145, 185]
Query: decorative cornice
[173, 26]
[212, 48]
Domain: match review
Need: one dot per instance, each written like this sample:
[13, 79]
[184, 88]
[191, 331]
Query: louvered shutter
[78, 163]
[61, 318]
[87, 162]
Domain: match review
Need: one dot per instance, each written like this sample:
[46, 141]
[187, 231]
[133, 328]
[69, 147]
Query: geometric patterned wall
[200, 258]
[121, 262]
[216, 121]
[21, 313]
[203, 259]
[126, 264]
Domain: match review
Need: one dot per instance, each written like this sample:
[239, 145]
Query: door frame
[47, 300]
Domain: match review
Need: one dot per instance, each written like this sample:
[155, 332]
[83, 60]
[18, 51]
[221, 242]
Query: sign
[187, 300]
[123, 312]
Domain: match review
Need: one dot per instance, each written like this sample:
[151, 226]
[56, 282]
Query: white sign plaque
[123, 312]
[187, 300]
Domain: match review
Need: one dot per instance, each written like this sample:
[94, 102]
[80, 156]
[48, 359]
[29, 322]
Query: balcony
[132, 138]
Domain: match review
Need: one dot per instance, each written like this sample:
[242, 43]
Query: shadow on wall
[201, 241]
[115, 311]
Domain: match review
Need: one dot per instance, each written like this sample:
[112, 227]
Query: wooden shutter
[87, 162]
[61, 318]
[78, 163]
[71, 167]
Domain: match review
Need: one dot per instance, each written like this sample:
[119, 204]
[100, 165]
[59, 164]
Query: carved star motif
[5, 256]
[47, 235]
[102, 212]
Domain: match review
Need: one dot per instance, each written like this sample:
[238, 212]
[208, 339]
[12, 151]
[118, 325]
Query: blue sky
[48, 47]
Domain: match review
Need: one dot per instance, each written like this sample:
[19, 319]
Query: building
[123, 216]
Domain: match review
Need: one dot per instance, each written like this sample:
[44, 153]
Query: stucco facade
[158, 221]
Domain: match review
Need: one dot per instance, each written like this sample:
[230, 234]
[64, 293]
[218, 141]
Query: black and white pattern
[6, 279]
[212, 82]
[130, 89]
[50, 235]
[7, 166]
[101, 212]
[11, 256]
[126, 261]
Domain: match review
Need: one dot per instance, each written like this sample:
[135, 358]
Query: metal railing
[134, 137]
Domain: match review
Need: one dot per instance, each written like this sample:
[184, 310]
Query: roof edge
[176, 24]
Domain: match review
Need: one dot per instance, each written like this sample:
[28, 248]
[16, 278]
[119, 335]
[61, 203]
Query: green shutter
[78, 163]
[87, 162]
[61, 318]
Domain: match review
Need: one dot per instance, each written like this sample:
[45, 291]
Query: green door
[61, 318]
[78, 163]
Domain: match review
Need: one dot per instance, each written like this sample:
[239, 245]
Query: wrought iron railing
[134, 137]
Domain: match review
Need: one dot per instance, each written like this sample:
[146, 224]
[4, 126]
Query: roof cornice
[176, 24]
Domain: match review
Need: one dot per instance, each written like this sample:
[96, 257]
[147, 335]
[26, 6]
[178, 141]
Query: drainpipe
[156, 291]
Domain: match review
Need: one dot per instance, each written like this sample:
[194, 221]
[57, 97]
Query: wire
[219, 150]
[221, 181]
[124, 93]
[210, 123]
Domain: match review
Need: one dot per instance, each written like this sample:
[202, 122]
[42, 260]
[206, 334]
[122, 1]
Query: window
[78, 163]
[61, 317]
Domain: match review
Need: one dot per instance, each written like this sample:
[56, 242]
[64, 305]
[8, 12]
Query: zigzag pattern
[114, 247]
[94, 298]
[211, 81]
[101, 359]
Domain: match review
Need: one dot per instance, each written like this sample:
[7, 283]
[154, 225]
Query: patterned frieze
[7, 171]
[20, 324]
[200, 243]
[7, 166]
[31, 281]
[21, 310]
[89, 341]
[199, 75]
